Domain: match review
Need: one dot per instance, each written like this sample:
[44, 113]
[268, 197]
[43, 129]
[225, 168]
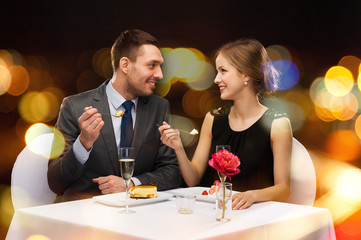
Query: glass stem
[223, 178]
[126, 196]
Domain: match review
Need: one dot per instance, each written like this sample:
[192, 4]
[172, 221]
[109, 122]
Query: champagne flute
[222, 177]
[127, 163]
[223, 147]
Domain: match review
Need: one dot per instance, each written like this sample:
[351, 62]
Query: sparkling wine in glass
[127, 163]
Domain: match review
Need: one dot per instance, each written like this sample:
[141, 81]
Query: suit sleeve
[65, 169]
[166, 172]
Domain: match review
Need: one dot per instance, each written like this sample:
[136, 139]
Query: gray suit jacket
[154, 161]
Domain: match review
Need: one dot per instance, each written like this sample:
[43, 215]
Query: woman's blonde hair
[249, 57]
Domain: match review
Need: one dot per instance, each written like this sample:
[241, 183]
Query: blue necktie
[127, 125]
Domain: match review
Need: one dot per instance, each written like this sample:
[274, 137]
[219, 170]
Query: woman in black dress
[259, 136]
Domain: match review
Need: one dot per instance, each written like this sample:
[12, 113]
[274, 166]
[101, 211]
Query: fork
[193, 132]
[114, 115]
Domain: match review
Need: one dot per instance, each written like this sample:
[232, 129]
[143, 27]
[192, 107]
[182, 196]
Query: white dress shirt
[115, 104]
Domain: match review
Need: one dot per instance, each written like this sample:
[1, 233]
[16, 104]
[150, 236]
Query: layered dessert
[143, 192]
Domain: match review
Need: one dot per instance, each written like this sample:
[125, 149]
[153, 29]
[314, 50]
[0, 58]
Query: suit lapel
[107, 132]
[141, 123]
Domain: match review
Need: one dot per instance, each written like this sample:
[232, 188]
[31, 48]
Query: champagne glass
[127, 163]
[223, 147]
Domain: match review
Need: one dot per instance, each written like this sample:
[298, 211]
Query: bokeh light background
[322, 98]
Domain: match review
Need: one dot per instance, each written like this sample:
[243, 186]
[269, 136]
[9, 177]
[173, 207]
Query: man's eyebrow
[154, 61]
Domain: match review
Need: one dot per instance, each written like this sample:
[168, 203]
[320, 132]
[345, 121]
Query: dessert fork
[193, 132]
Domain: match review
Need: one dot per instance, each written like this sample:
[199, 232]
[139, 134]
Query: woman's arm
[281, 143]
[192, 171]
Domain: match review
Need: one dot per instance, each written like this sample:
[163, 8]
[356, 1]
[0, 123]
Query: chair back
[29, 182]
[303, 176]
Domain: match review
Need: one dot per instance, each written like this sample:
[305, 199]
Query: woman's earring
[246, 83]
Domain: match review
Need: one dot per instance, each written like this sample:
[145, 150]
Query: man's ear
[124, 64]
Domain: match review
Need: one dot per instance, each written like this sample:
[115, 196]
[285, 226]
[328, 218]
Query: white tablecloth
[88, 219]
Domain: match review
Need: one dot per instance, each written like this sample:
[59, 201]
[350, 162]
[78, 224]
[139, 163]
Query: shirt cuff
[136, 181]
[80, 152]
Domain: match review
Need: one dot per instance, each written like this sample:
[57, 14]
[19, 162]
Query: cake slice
[143, 192]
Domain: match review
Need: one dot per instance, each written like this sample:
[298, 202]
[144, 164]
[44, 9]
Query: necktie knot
[126, 132]
[128, 105]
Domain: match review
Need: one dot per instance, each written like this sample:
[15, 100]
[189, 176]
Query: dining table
[101, 218]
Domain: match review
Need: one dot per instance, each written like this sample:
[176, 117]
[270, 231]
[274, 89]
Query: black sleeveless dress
[252, 146]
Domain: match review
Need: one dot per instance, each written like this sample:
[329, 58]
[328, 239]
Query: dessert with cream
[119, 114]
[143, 192]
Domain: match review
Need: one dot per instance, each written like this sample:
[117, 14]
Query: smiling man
[90, 163]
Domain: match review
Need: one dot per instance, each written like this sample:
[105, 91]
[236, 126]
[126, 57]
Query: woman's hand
[243, 200]
[170, 136]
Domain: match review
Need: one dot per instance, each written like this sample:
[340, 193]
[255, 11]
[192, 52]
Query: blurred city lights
[39, 129]
[358, 126]
[102, 63]
[323, 98]
[324, 114]
[191, 103]
[16, 57]
[35, 131]
[300, 107]
[289, 74]
[19, 80]
[349, 185]
[6, 206]
[162, 88]
[188, 65]
[167, 72]
[331, 106]
[88, 80]
[58, 143]
[339, 81]
[350, 229]
[278, 52]
[205, 79]
[343, 145]
[39, 106]
[332, 176]
[6, 59]
[317, 85]
[38, 237]
[352, 63]
[344, 108]
[5, 79]
[356, 92]
[359, 79]
[182, 63]
[296, 116]
[39, 79]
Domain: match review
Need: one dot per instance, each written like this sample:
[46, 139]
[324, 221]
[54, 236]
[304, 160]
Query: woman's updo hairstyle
[249, 57]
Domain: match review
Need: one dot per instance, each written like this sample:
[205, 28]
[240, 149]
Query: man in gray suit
[89, 164]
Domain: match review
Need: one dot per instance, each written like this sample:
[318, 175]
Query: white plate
[118, 199]
[197, 191]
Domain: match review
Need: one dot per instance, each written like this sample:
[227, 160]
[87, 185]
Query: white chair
[29, 183]
[303, 176]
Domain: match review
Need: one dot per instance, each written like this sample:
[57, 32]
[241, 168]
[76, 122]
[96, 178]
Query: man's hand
[111, 184]
[90, 123]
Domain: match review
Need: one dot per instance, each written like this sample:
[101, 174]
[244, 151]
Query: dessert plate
[118, 199]
[197, 191]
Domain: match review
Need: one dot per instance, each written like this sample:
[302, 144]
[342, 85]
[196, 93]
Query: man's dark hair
[128, 44]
